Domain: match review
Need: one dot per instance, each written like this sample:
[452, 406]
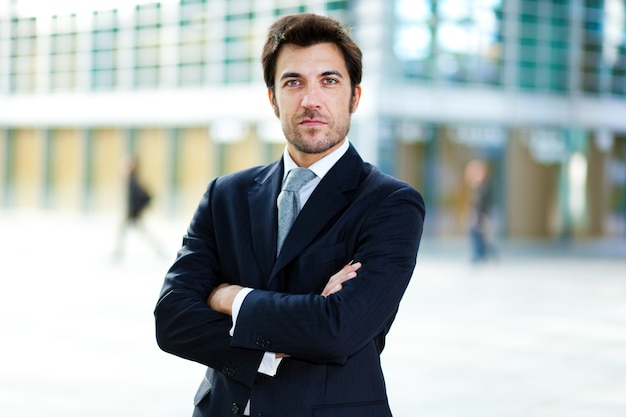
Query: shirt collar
[321, 167]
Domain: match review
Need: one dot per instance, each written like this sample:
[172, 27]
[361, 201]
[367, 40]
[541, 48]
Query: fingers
[335, 283]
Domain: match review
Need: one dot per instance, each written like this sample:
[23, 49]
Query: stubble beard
[308, 140]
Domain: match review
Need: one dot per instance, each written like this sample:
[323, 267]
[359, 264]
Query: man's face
[313, 100]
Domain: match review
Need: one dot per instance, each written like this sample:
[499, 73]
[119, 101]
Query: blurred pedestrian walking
[481, 200]
[138, 199]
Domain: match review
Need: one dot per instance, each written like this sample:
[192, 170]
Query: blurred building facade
[535, 88]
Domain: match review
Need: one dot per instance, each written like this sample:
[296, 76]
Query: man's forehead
[320, 58]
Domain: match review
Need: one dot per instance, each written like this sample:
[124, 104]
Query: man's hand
[222, 297]
[335, 282]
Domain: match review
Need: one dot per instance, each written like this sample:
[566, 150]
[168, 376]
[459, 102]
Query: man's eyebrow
[324, 74]
[327, 73]
[289, 75]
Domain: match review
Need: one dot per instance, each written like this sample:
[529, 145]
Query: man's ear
[354, 102]
[270, 96]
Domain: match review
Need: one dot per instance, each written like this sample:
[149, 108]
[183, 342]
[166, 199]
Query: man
[325, 300]
[137, 201]
[477, 177]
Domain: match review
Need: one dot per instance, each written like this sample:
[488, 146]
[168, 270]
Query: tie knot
[297, 177]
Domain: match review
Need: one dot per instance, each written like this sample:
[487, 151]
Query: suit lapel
[262, 210]
[329, 197]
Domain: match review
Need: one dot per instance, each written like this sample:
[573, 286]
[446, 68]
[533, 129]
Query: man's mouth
[312, 122]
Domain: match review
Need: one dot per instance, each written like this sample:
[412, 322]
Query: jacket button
[228, 371]
[235, 408]
[264, 343]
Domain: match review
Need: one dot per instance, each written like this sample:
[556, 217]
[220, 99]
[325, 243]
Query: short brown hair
[309, 29]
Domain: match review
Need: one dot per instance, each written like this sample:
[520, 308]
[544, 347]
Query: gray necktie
[289, 201]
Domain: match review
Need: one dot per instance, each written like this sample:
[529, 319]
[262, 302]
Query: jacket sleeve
[185, 325]
[317, 328]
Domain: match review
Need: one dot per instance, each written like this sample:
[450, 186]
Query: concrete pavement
[540, 333]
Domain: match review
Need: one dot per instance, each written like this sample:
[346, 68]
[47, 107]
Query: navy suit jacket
[355, 213]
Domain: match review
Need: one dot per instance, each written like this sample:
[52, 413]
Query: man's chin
[312, 145]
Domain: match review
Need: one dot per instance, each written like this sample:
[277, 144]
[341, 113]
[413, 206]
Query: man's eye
[330, 81]
[292, 83]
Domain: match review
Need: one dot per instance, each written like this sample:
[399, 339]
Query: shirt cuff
[269, 364]
[237, 302]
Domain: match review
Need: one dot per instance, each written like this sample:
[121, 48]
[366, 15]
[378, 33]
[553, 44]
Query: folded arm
[332, 328]
[222, 297]
[185, 325]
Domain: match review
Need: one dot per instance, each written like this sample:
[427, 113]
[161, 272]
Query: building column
[573, 185]
[172, 188]
[431, 191]
[598, 181]
[6, 166]
[47, 180]
[130, 141]
[87, 162]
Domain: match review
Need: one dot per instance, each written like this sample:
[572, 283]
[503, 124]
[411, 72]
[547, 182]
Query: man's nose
[311, 97]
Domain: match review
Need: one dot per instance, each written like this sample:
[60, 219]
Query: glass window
[192, 48]
[105, 19]
[64, 43]
[449, 40]
[283, 11]
[149, 15]
[614, 45]
[603, 50]
[147, 45]
[239, 40]
[337, 5]
[147, 57]
[147, 76]
[23, 64]
[238, 71]
[147, 37]
[544, 45]
[23, 55]
[619, 72]
[191, 74]
[337, 9]
[104, 38]
[63, 53]
[468, 41]
[413, 37]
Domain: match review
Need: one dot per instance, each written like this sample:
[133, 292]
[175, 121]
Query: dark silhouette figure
[477, 177]
[137, 201]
